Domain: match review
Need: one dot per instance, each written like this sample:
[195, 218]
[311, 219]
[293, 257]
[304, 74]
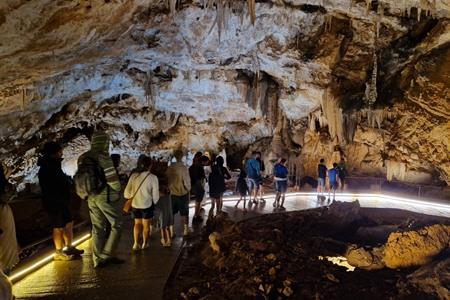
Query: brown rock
[415, 248]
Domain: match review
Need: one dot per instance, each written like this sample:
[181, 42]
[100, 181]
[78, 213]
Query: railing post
[419, 189]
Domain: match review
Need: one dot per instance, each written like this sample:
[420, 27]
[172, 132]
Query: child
[242, 188]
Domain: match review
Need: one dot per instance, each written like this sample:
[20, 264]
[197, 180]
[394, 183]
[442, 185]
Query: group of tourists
[336, 178]
[99, 181]
[149, 196]
[250, 181]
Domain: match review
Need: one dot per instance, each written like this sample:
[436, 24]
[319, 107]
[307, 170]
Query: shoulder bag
[127, 206]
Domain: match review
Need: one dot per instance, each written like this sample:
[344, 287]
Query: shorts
[215, 195]
[321, 182]
[281, 186]
[180, 204]
[59, 219]
[143, 213]
[199, 191]
[254, 183]
[333, 185]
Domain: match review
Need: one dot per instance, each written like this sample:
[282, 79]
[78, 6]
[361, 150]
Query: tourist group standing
[98, 180]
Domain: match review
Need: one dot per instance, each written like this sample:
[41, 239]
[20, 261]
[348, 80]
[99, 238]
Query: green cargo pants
[102, 212]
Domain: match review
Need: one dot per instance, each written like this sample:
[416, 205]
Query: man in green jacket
[104, 206]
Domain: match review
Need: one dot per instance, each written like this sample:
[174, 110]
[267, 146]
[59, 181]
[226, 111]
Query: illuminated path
[144, 274]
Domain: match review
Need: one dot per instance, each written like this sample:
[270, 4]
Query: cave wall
[373, 76]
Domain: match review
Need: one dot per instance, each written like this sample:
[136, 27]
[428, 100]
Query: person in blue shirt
[253, 169]
[333, 180]
[280, 176]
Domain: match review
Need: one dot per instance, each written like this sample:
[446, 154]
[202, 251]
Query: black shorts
[180, 204]
[59, 218]
[143, 213]
[199, 191]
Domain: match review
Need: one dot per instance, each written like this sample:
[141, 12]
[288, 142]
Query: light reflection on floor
[61, 280]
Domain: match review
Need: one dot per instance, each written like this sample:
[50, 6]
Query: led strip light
[41, 262]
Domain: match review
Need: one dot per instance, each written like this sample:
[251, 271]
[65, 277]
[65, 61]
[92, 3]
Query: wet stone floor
[144, 274]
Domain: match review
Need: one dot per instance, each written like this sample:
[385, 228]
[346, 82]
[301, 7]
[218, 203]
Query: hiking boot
[73, 251]
[61, 256]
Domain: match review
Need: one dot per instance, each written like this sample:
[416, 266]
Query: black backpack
[90, 178]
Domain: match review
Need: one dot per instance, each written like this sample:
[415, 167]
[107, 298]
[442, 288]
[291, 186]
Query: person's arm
[257, 167]
[110, 172]
[186, 179]
[155, 189]
[128, 193]
[226, 173]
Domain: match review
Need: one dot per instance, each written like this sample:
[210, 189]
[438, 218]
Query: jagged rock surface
[294, 82]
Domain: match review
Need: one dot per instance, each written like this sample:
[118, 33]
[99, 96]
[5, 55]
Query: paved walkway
[144, 274]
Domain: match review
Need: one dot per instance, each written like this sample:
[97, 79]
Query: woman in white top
[143, 189]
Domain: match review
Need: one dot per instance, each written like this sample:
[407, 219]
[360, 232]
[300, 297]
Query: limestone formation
[416, 248]
[363, 80]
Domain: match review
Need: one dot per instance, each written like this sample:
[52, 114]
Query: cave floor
[145, 273]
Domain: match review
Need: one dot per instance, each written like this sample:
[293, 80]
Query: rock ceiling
[372, 77]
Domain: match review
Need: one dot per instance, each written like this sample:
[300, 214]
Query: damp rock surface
[363, 80]
[291, 255]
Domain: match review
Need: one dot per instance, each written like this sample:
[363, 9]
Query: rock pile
[282, 256]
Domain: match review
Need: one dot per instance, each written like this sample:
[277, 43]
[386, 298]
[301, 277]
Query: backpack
[90, 178]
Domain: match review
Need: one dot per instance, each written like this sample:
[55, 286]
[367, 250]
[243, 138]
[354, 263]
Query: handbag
[127, 206]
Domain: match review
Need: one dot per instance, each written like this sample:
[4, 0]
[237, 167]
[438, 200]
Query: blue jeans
[101, 212]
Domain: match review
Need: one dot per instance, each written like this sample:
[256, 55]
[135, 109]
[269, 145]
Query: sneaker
[186, 230]
[136, 247]
[73, 251]
[274, 204]
[145, 246]
[167, 245]
[114, 260]
[60, 255]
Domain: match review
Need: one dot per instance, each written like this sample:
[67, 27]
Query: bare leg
[167, 236]
[58, 238]
[283, 196]
[137, 230]
[171, 231]
[245, 209]
[146, 232]
[197, 208]
[237, 203]
[220, 203]
[68, 234]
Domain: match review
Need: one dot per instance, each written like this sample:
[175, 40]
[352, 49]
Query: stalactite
[371, 95]
[395, 169]
[172, 4]
[252, 10]
[328, 20]
[333, 116]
